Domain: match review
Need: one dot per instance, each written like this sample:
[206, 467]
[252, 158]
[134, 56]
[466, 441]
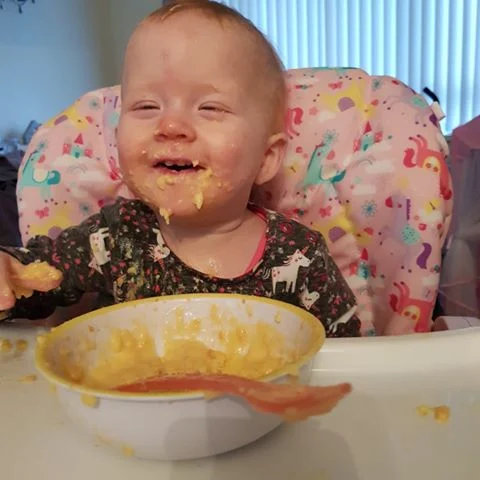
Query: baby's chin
[182, 204]
[189, 209]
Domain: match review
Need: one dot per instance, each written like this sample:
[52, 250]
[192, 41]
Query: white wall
[49, 55]
[124, 16]
[57, 50]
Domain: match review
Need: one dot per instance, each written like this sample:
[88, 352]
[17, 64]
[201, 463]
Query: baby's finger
[7, 298]
[41, 277]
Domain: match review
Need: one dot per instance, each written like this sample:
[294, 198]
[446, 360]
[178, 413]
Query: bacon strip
[292, 402]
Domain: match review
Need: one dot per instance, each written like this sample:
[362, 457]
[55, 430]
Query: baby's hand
[17, 280]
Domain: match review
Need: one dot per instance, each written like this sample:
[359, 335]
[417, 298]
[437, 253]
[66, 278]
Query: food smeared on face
[164, 180]
[166, 213]
[198, 200]
[203, 183]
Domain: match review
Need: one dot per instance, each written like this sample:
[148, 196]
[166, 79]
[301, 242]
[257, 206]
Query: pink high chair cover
[365, 166]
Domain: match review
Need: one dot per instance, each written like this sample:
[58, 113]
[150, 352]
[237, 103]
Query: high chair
[365, 166]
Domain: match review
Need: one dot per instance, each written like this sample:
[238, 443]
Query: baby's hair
[272, 63]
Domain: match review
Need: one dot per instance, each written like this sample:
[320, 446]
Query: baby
[203, 98]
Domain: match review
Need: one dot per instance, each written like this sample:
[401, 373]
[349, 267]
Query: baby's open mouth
[176, 166]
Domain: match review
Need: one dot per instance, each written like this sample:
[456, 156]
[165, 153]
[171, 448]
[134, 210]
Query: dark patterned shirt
[120, 251]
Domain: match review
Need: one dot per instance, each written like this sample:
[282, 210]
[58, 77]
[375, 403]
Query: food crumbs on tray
[5, 345]
[441, 413]
[29, 378]
[128, 451]
[423, 410]
[21, 345]
[89, 401]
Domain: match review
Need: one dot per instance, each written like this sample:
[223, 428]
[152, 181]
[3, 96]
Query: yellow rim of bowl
[44, 368]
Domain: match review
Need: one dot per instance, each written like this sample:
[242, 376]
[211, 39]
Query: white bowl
[172, 426]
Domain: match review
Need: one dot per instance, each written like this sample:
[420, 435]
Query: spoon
[292, 402]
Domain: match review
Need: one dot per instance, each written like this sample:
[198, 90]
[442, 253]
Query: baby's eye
[146, 107]
[213, 108]
[143, 106]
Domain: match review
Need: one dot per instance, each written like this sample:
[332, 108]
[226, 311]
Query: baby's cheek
[230, 158]
[126, 157]
[131, 156]
[131, 140]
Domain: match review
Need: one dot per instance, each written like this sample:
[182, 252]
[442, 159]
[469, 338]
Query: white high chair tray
[375, 434]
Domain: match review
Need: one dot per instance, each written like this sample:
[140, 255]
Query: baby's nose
[174, 128]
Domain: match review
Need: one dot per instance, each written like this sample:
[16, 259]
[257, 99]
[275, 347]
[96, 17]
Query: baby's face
[194, 130]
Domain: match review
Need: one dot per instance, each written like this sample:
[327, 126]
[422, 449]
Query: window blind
[424, 43]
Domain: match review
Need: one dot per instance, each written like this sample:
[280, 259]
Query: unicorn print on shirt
[159, 251]
[308, 298]
[101, 255]
[288, 273]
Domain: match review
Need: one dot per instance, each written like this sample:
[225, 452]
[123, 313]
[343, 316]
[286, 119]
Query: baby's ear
[273, 158]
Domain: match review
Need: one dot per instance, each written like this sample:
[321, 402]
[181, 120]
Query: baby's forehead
[161, 45]
[195, 27]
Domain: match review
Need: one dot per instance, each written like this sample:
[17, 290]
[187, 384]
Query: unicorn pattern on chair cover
[381, 228]
[316, 168]
[412, 309]
[36, 173]
[429, 159]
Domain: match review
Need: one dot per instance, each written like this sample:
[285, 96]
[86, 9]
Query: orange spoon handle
[293, 402]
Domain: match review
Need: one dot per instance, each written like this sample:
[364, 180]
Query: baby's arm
[327, 295]
[71, 253]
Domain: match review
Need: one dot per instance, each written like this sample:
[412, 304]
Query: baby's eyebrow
[222, 85]
[191, 87]
[206, 88]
